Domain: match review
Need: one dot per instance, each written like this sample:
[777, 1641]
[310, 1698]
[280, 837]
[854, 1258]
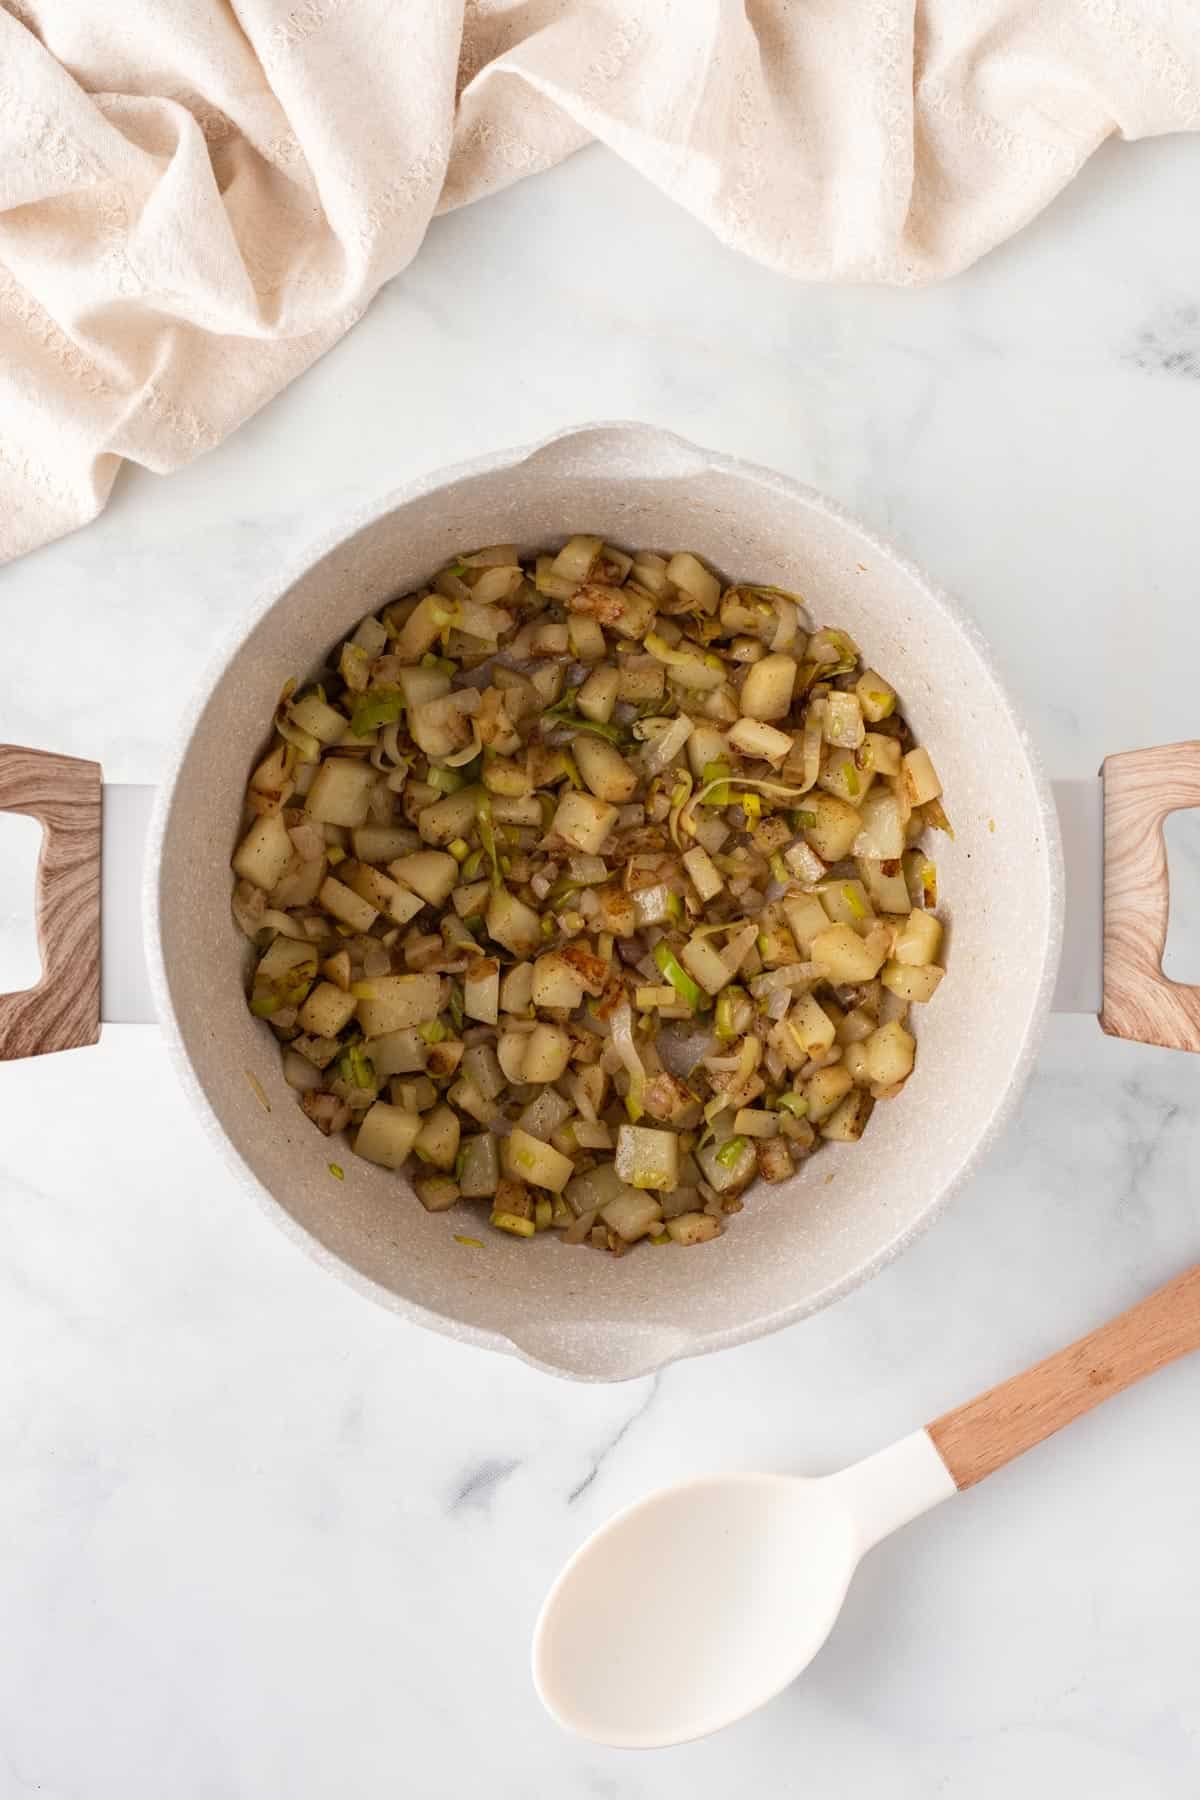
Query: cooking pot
[797, 1246]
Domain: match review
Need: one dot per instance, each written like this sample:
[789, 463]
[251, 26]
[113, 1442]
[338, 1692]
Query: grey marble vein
[601, 1456]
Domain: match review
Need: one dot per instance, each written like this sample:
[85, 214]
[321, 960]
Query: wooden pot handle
[63, 793]
[1140, 788]
[980, 1437]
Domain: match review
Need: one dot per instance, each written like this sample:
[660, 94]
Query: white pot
[795, 1247]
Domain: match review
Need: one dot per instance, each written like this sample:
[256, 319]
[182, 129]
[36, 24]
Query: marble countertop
[260, 1541]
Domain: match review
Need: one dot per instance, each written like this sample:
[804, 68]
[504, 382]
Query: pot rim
[392, 499]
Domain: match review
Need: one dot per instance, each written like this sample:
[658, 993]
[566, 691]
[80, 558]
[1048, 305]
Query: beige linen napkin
[198, 197]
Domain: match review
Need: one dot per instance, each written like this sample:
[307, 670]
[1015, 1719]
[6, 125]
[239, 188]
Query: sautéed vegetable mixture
[589, 888]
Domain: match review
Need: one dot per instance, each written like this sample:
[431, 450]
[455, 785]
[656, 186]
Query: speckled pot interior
[795, 1247]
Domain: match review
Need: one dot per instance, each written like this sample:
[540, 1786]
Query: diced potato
[387, 1134]
[510, 1054]
[806, 917]
[577, 558]
[693, 1228]
[691, 577]
[444, 1057]
[549, 639]
[598, 695]
[417, 1095]
[876, 696]
[584, 821]
[841, 955]
[706, 964]
[381, 892]
[286, 956]
[470, 898]
[767, 690]
[437, 1140]
[755, 1122]
[545, 1114]
[724, 1173]
[346, 905]
[388, 1003]
[843, 721]
[324, 722]
[514, 1208]
[466, 1096]
[705, 745]
[481, 989]
[881, 835]
[827, 1089]
[846, 903]
[397, 1052]
[854, 1058]
[755, 739]
[639, 680]
[479, 1167]
[846, 1124]
[810, 1025]
[441, 727]
[705, 875]
[631, 1216]
[646, 1158]
[803, 863]
[882, 753]
[501, 775]
[419, 686]
[341, 792]
[885, 883]
[516, 809]
[775, 1158]
[449, 818]
[265, 852]
[618, 913]
[842, 777]
[300, 885]
[437, 1192]
[890, 1053]
[429, 873]
[516, 989]
[836, 825]
[604, 769]
[380, 843]
[912, 984]
[513, 924]
[919, 940]
[528, 1159]
[920, 777]
[586, 638]
[547, 1052]
[337, 969]
[554, 983]
[856, 1025]
[326, 1010]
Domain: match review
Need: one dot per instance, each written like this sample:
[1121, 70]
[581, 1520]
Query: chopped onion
[791, 975]
[622, 1037]
[664, 746]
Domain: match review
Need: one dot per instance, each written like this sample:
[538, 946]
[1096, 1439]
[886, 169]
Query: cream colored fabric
[198, 197]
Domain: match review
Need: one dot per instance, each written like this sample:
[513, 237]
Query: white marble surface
[259, 1541]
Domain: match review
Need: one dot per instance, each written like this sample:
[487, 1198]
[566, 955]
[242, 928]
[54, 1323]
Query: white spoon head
[693, 1608]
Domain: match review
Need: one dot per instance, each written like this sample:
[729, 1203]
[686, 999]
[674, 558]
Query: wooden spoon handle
[63, 1010]
[980, 1437]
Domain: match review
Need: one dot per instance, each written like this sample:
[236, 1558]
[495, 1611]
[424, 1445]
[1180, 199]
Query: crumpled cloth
[198, 197]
